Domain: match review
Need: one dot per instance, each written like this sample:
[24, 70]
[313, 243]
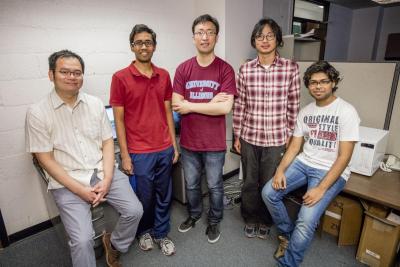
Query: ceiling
[355, 4]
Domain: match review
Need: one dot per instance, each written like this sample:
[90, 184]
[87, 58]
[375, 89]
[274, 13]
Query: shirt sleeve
[299, 130]
[179, 82]
[228, 84]
[168, 89]
[350, 125]
[37, 134]
[239, 105]
[117, 92]
[106, 130]
[293, 100]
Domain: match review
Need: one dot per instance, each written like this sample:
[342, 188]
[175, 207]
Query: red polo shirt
[144, 110]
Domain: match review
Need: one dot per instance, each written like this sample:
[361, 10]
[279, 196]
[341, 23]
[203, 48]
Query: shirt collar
[277, 61]
[135, 71]
[58, 102]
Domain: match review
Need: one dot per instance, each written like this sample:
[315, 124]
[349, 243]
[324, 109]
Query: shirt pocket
[91, 129]
[278, 91]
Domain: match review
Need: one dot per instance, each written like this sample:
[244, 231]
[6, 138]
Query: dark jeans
[154, 190]
[193, 163]
[259, 165]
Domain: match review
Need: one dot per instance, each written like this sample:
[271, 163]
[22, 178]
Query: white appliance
[369, 151]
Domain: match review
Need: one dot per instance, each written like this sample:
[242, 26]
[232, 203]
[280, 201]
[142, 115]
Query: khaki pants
[76, 217]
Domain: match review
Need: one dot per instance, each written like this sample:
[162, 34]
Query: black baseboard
[30, 231]
[4, 241]
[230, 174]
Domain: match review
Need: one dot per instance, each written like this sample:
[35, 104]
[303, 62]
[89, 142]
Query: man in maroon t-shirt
[204, 88]
[141, 99]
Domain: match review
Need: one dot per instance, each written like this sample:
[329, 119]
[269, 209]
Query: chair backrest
[39, 168]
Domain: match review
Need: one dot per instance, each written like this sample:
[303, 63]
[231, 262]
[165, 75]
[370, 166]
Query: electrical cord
[232, 193]
[384, 167]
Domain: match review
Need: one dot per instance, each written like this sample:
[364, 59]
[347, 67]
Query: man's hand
[237, 145]
[279, 181]
[127, 166]
[182, 107]
[313, 195]
[221, 97]
[101, 189]
[87, 194]
[176, 156]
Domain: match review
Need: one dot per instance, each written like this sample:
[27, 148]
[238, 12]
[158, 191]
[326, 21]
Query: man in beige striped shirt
[69, 133]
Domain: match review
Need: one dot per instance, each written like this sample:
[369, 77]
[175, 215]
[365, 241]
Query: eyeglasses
[139, 44]
[313, 83]
[269, 37]
[67, 73]
[207, 33]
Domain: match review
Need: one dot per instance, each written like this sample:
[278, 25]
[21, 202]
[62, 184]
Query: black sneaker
[187, 225]
[213, 233]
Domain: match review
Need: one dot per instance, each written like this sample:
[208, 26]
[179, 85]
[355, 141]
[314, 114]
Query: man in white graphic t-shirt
[329, 128]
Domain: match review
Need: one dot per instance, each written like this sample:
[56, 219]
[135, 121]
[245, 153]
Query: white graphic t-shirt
[323, 128]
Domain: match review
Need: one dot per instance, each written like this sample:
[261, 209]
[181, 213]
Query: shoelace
[283, 242]
[147, 240]
[264, 229]
[167, 245]
[166, 242]
[211, 229]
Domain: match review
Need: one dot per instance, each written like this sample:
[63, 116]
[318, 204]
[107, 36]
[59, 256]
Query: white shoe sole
[184, 231]
[145, 249]
[215, 240]
[170, 254]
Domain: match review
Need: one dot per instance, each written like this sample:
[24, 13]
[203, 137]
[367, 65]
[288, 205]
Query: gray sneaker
[213, 233]
[250, 230]
[263, 231]
[146, 242]
[166, 245]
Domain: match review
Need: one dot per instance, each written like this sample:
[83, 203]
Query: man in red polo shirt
[141, 99]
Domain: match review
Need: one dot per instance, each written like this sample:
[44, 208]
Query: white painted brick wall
[99, 31]
[21, 198]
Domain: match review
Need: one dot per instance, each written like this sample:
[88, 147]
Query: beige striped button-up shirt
[75, 135]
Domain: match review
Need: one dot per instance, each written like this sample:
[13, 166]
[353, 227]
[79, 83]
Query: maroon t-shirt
[144, 110]
[199, 85]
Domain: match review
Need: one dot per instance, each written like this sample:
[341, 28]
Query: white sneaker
[166, 245]
[146, 242]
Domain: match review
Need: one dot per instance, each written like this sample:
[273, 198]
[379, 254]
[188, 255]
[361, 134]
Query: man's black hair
[139, 28]
[206, 18]
[258, 28]
[325, 67]
[64, 54]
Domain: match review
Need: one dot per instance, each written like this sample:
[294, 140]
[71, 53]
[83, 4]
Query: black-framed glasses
[67, 73]
[140, 43]
[269, 37]
[314, 83]
[206, 33]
